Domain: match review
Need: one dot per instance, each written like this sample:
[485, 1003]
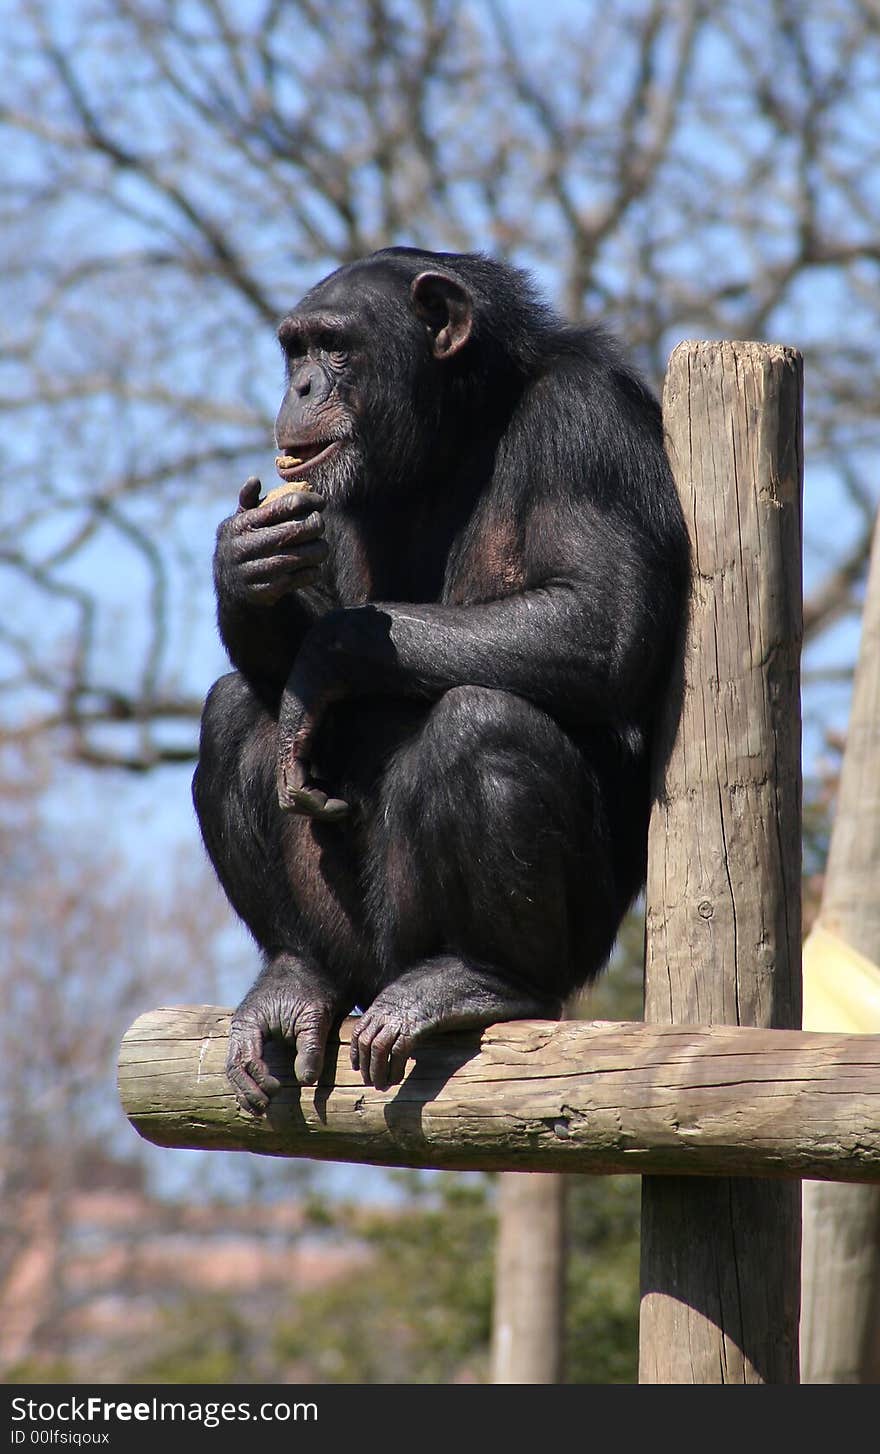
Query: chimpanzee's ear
[446, 307]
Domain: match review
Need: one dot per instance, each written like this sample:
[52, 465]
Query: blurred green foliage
[419, 1311]
[206, 1340]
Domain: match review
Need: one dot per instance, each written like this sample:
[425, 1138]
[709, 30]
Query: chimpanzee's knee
[230, 716]
[234, 795]
[483, 840]
[488, 761]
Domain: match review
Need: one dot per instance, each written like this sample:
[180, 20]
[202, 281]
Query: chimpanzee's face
[361, 353]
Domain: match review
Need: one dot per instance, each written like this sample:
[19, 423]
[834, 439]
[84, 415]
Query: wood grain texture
[534, 1095]
[720, 1263]
[724, 874]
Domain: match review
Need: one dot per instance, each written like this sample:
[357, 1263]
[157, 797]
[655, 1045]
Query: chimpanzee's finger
[248, 1073]
[249, 493]
[380, 1053]
[400, 1053]
[354, 1049]
[253, 1086]
[372, 1049]
[291, 502]
[311, 1045]
[250, 537]
[263, 569]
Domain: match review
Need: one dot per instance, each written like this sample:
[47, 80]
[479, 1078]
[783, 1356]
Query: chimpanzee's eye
[337, 358]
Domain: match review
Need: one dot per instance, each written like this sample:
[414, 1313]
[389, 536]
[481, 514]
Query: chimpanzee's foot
[313, 801]
[290, 1002]
[298, 792]
[441, 994]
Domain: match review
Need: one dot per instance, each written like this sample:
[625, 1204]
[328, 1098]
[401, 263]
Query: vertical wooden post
[527, 1335]
[851, 892]
[841, 1305]
[720, 1258]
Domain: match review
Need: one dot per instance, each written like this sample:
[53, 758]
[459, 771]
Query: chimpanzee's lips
[296, 465]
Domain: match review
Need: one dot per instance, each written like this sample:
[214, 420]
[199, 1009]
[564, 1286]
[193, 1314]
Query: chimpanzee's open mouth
[295, 466]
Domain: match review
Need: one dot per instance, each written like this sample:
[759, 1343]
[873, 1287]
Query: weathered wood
[529, 1306]
[840, 1336]
[533, 1095]
[851, 891]
[720, 1263]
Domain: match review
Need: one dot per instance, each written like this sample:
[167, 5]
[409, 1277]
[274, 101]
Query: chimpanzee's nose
[306, 377]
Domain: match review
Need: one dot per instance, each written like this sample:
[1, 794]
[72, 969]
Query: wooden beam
[533, 1095]
[720, 1265]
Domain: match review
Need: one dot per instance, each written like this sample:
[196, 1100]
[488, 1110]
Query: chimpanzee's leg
[494, 892]
[272, 868]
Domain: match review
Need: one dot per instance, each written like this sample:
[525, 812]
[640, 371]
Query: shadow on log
[531, 1095]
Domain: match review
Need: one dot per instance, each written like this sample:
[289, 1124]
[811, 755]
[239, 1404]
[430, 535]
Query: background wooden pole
[528, 1312]
[840, 1340]
[720, 1260]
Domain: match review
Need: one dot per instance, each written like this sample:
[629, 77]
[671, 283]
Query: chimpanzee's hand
[288, 1002]
[342, 655]
[266, 551]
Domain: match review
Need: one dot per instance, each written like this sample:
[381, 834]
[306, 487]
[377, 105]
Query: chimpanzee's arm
[585, 646]
[267, 562]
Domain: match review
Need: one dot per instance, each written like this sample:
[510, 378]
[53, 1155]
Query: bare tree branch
[177, 175]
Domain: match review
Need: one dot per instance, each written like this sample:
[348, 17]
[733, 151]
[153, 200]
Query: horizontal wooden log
[533, 1095]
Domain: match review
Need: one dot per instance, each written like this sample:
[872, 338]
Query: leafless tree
[177, 173]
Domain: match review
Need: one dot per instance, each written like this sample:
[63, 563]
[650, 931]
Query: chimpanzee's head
[390, 359]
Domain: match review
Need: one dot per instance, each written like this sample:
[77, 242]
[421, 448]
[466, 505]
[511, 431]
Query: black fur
[466, 635]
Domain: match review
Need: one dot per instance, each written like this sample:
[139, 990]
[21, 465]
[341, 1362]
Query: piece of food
[290, 487]
[286, 462]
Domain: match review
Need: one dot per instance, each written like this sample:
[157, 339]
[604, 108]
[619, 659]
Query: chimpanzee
[450, 638]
